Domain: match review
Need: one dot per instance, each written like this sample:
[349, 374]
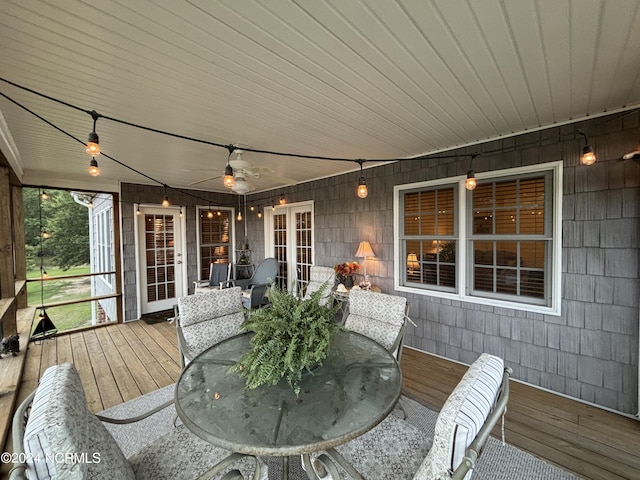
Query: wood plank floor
[120, 362]
[591, 442]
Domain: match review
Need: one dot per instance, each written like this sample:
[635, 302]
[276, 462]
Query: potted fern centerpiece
[290, 337]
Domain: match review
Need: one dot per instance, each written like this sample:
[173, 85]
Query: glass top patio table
[354, 389]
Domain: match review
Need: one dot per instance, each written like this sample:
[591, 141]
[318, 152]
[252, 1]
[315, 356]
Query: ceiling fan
[244, 171]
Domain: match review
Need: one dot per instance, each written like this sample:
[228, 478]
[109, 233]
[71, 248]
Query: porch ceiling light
[228, 171]
[588, 156]
[93, 143]
[94, 170]
[362, 183]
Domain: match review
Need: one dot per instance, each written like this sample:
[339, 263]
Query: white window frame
[462, 274]
[232, 232]
[104, 240]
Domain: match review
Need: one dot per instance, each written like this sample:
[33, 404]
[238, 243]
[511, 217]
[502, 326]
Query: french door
[160, 258]
[289, 234]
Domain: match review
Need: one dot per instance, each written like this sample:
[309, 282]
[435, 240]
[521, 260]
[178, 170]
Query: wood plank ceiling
[370, 79]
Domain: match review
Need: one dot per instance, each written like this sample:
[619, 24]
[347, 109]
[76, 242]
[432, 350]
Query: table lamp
[364, 251]
[412, 262]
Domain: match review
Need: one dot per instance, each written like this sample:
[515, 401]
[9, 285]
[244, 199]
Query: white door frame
[180, 234]
[269, 244]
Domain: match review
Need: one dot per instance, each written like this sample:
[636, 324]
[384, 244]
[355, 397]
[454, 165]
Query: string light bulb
[588, 156]
[45, 234]
[470, 182]
[282, 200]
[209, 214]
[362, 183]
[228, 180]
[239, 217]
[94, 170]
[44, 195]
[181, 214]
[138, 212]
[93, 142]
[259, 214]
[165, 200]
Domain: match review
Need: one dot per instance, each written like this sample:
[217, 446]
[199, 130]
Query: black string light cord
[95, 115]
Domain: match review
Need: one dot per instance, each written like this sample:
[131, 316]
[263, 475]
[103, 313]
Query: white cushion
[60, 425]
[461, 417]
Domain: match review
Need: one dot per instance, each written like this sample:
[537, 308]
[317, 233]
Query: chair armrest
[122, 421]
[243, 283]
[475, 449]
[182, 345]
[19, 469]
[201, 283]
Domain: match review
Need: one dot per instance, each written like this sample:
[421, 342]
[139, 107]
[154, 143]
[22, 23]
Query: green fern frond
[290, 335]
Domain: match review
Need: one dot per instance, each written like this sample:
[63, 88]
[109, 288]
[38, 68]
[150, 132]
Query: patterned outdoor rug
[498, 461]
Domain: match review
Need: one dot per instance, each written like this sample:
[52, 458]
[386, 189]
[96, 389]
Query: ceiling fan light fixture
[241, 186]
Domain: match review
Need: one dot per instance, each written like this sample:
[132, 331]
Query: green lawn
[69, 316]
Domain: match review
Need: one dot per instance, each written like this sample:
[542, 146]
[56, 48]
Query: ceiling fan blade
[204, 180]
[278, 178]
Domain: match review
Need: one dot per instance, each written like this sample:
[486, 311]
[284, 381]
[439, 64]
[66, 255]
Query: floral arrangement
[347, 268]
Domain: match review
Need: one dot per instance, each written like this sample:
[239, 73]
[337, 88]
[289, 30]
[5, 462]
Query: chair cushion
[180, 455]
[462, 416]
[377, 315]
[381, 306]
[202, 335]
[383, 333]
[194, 309]
[60, 424]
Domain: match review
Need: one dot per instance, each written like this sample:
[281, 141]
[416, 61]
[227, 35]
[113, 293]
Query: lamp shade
[412, 261]
[364, 250]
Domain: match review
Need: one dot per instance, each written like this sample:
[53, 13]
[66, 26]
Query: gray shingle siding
[589, 352]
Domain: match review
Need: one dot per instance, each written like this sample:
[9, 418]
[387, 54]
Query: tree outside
[64, 252]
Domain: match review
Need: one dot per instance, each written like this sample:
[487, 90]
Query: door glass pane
[160, 253]
[280, 247]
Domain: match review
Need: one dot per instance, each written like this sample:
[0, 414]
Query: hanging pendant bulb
[181, 214]
[44, 195]
[362, 188]
[93, 142]
[259, 214]
[94, 170]
[282, 200]
[228, 176]
[362, 183]
[209, 214]
[470, 182]
[165, 200]
[588, 156]
[138, 212]
[239, 217]
[45, 234]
